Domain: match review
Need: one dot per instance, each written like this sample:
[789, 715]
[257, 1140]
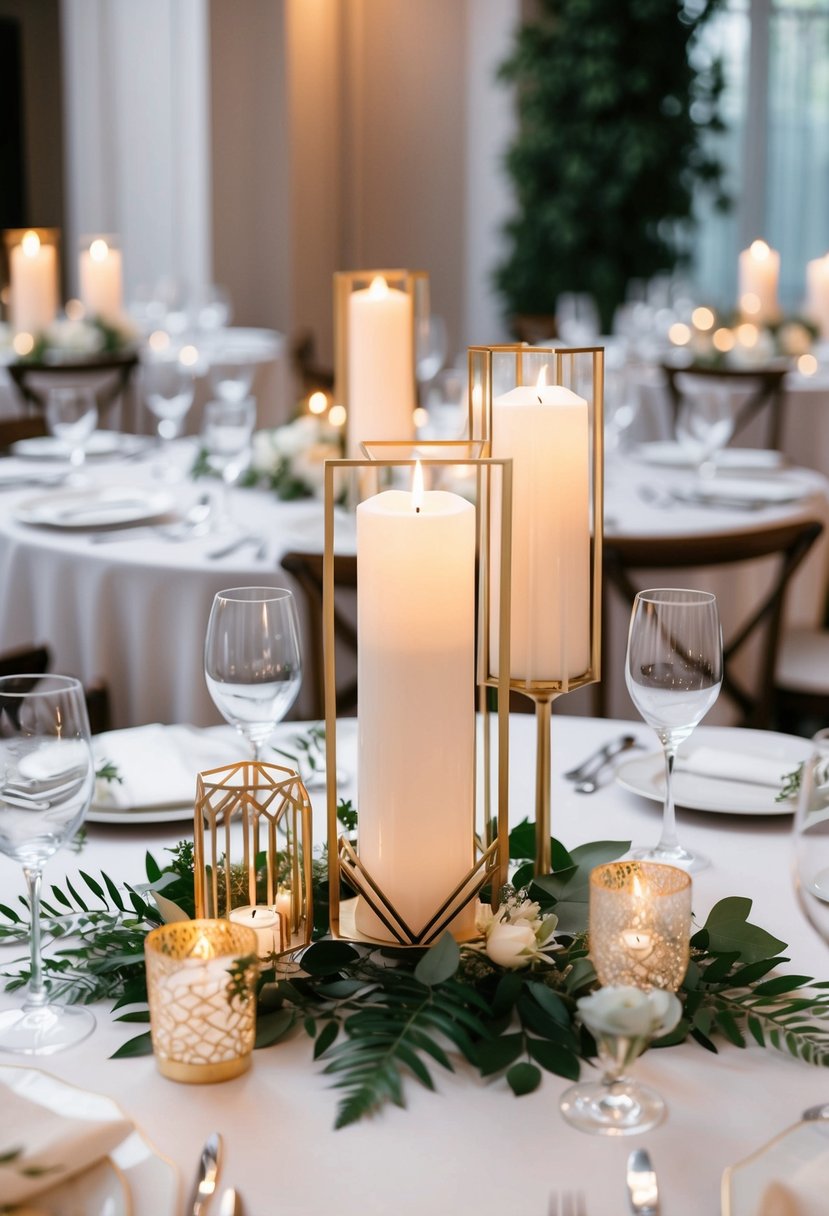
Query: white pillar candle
[544, 428]
[759, 271]
[34, 285]
[416, 669]
[265, 923]
[381, 397]
[100, 278]
[817, 294]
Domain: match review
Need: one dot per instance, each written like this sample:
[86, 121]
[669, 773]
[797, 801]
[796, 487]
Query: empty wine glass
[704, 425]
[232, 369]
[227, 427]
[169, 387]
[252, 660]
[71, 416]
[811, 836]
[673, 673]
[431, 346]
[47, 775]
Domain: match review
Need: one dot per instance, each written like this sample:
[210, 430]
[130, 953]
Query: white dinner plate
[668, 453]
[797, 1160]
[94, 508]
[135, 1180]
[645, 775]
[100, 443]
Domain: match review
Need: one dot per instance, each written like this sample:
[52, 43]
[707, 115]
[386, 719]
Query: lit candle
[416, 664]
[100, 276]
[266, 924]
[381, 380]
[817, 294]
[198, 983]
[637, 939]
[544, 429]
[759, 270]
[34, 284]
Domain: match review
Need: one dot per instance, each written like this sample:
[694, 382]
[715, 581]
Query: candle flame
[99, 250]
[31, 244]
[318, 402]
[417, 487]
[379, 287]
[759, 250]
[541, 382]
[202, 948]
[636, 884]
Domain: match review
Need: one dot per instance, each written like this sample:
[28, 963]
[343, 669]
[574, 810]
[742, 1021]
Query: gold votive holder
[201, 986]
[640, 924]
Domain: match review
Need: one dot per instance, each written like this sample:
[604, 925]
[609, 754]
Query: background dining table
[132, 606]
[471, 1146]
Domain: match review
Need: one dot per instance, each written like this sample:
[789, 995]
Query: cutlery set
[586, 776]
[207, 1180]
[642, 1189]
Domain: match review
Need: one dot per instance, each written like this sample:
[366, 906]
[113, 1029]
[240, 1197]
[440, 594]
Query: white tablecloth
[135, 611]
[472, 1147]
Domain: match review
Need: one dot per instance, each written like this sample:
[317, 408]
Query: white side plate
[100, 443]
[94, 508]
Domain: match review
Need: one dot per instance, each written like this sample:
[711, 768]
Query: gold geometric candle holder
[378, 315]
[543, 407]
[431, 832]
[201, 979]
[640, 924]
[253, 853]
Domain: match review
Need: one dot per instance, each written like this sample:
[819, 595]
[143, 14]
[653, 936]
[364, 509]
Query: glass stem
[36, 995]
[669, 839]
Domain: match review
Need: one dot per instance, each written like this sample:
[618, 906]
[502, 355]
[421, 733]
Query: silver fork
[567, 1203]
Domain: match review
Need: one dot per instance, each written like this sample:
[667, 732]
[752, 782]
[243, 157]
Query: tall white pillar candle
[416, 666]
[758, 273]
[34, 284]
[381, 397]
[817, 294]
[100, 281]
[544, 428]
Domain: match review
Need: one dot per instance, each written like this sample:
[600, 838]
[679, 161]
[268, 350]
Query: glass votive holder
[640, 924]
[201, 985]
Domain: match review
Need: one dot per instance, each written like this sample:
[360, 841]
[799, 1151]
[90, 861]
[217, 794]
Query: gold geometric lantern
[543, 407]
[253, 853]
[430, 833]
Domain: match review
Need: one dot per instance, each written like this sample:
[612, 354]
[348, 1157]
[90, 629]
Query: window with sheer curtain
[776, 146]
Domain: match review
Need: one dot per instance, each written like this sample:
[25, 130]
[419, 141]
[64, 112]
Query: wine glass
[252, 660]
[227, 427]
[811, 836]
[673, 673]
[431, 346]
[47, 776]
[71, 416]
[704, 425]
[169, 388]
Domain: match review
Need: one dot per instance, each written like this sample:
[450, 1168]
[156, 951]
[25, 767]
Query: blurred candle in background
[33, 267]
[758, 274]
[101, 279]
[817, 294]
[381, 379]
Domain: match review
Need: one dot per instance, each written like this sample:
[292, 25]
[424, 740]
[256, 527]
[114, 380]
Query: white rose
[75, 336]
[623, 1010]
[526, 910]
[511, 945]
[264, 457]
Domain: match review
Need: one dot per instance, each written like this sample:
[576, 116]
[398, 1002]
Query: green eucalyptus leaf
[328, 957]
[554, 1058]
[439, 963]
[497, 1054]
[523, 1078]
[272, 1027]
[728, 930]
[141, 1045]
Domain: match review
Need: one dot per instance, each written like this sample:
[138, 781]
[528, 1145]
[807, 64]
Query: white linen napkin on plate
[748, 489]
[724, 765]
[158, 764]
[50, 1146]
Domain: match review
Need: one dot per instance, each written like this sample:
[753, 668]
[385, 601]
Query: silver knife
[231, 1204]
[207, 1176]
[641, 1183]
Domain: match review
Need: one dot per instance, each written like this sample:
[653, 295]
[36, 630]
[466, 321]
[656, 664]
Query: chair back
[306, 569]
[109, 378]
[625, 557]
[761, 390]
[12, 430]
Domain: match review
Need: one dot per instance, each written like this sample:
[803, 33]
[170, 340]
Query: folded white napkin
[745, 489]
[734, 766]
[53, 1133]
[158, 764]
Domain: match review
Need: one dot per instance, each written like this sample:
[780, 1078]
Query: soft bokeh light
[99, 250]
[760, 251]
[74, 310]
[807, 365]
[747, 334]
[336, 415]
[158, 340]
[723, 340]
[750, 304]
[703, 318]
[31, 245]
[318, 403]
[420, 417]
[679, 334]
[23, 343]
[189, 356]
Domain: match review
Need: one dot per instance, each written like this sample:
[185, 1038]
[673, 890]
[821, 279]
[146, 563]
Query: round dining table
[131, 604]
[470, 1146]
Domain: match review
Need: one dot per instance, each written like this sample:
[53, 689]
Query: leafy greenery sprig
[381, 1015]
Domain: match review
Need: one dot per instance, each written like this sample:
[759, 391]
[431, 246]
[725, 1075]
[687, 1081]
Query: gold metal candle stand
[493, 371]
[415, 284]
[252, 833]
[490, 845]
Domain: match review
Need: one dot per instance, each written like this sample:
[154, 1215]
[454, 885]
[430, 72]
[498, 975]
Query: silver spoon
[815, 1114]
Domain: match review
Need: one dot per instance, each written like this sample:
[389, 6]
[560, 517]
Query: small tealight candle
[640, 924]
[266, 924]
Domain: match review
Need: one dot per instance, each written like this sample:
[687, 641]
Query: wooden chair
[14, 429]
[306, 569]
[35, 660]
[110, 376]
[801, 678]
[765, 392]
[625, 557]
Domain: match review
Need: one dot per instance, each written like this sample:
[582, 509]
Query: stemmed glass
[47, 776]
[252, 660]
[431, 345]
[71, 416]
[811, 836]
[704, 425]
[227, 427]
[673, 673]
[169, 388]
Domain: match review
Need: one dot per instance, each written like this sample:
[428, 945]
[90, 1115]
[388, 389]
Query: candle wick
[540, 402]
[253, 913]
[417, 510]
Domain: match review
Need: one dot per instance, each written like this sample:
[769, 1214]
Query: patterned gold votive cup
[640, 924]
[201, 981]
